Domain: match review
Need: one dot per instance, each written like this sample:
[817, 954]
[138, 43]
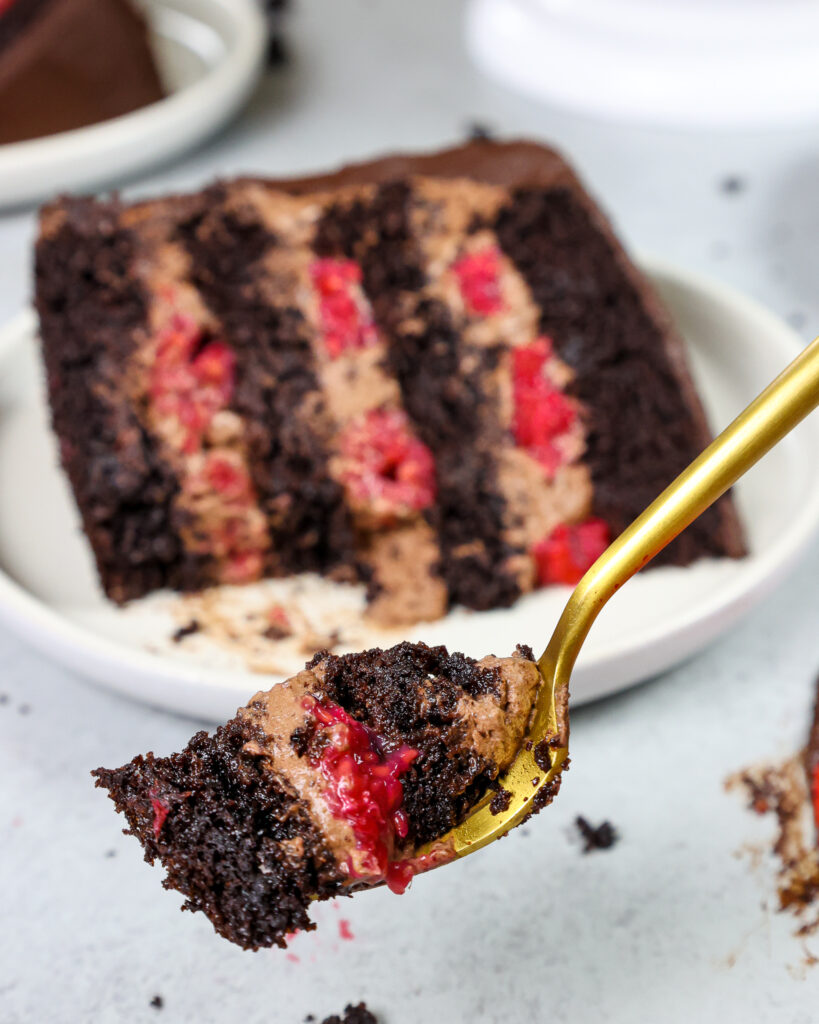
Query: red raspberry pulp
[542, 413]
[190, 381]
[386, 463]
[568, 551]
[364, 789]
[478, 275]
[346, 320]
[161, 811]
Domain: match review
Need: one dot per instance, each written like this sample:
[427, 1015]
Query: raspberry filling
[815, 794]
[161, 811]
[385, 466]
[478, 275]
[192, 381]
[363, 788]
[568, 551]
[542, 413]
[345, 314]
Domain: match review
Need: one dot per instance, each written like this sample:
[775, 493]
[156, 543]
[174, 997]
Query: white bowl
[210, 53]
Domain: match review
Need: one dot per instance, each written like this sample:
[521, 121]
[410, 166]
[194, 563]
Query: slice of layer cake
[327, 783]
[70, 63]
[440, 375]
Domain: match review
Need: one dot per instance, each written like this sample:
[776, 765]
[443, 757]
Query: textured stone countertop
[674, 923]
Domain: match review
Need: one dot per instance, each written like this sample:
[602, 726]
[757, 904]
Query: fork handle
[783, 404]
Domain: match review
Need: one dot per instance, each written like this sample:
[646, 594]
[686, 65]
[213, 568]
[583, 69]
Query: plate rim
[222, 89]
[97, 658]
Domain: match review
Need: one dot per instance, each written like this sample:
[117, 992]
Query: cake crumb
[24, 709]
[500, 801]
[4, 698]
[602, 837]
[110, 853]
[733, 184]
[782, 791]
[157, 1002]
[345, 931]
[358, 1014]
[187, 630]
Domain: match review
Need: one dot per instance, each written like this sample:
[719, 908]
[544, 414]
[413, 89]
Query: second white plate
[49, 594]
[210, 54]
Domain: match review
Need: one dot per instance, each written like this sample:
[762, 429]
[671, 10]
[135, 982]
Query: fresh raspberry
[363, 787]
[191, 380]
[161, 811]
[229, 478]
[346, 319]
[542, 413]
[478, 275]
[568, 551]
[385, 465]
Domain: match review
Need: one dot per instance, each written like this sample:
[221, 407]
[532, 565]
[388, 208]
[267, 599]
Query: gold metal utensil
[534, 774]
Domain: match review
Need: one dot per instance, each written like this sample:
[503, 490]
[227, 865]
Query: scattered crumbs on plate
[4, 698]
[269, 627]
[733, 185]
[344, 930]
[24, 709]
[189, 629]
[110, 853]
[157, 1002]
[599, 837]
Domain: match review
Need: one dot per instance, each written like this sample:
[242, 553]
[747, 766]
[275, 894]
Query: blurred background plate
[675, 62]
[210, 54]
[50, 596]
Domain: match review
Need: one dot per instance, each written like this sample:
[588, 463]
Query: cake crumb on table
[790, 792]
[358, 1014]
[601, 837]
[157, 1002]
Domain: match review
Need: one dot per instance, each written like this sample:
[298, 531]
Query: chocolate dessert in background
[328, 783]
[439, 375]
[67, 64]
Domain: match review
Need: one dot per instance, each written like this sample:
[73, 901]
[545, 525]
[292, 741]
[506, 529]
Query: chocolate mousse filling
[327, 783]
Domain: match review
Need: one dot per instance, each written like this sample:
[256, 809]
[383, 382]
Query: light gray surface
[671, 925]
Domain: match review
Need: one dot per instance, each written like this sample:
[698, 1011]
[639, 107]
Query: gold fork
[535, 773]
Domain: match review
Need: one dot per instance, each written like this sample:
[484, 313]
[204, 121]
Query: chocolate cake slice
[327, 783]
[440, 375]
[70, 63]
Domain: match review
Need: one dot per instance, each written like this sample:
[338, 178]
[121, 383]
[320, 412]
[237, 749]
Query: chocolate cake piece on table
[437, 374]
[68, 64]
[327, 783]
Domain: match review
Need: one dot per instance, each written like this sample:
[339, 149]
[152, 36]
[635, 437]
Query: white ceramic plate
[210, 54]
[695, 62]
[49, 594]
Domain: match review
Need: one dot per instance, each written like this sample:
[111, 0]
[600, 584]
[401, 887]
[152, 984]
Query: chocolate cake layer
[66, 64]
[439, 375]
[326, 783]
[93, 312]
